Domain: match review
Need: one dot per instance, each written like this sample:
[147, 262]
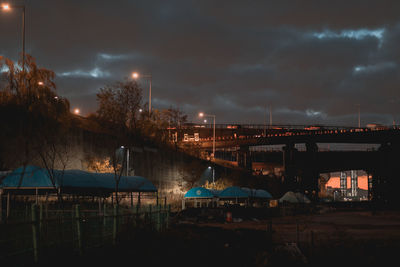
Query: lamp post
[213, 174]
[7, 7]
[359, 121]
[201, 115]
[136, 75]
[127, 160]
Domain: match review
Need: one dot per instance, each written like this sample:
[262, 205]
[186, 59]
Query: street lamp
[8, 7]
[136, 76]
[201, 115]
[127, 160]
[359, 120]
[213, 174]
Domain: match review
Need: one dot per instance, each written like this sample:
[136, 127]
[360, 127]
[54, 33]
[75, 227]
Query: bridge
[302, 168]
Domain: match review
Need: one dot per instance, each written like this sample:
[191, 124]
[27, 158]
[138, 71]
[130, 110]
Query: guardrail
[234, 126]
[288, 133]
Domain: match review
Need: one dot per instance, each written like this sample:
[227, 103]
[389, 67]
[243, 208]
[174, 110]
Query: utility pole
[265, 122]
[270, 116]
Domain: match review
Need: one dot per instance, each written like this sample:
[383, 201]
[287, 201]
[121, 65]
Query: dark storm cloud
[310, 61]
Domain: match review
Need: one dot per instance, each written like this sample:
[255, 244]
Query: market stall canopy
[233, 192]
[201, 192]
[257, 193]
[292, 197]
[36, 177]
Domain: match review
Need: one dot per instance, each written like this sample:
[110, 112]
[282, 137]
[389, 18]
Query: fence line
[28, 236]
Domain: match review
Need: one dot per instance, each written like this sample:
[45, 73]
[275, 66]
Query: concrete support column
[289, 166]
[310, 175]
[385, 181]
[244, 157]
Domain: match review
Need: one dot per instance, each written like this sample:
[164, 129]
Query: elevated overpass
[226, 137]
[302, 169]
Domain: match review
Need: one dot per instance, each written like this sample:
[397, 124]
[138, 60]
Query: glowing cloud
[94, 73]
[373, 68]
[352, 34]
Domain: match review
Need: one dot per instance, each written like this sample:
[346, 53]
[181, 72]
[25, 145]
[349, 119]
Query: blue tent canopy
[36, 177]
[229, 192]
[260, 193]
[200, 192]
[233, 192]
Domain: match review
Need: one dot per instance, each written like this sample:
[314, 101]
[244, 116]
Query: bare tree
[119, 106]
[191, 172]
[32, 115]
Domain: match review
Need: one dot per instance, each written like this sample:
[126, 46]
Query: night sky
[311, 61]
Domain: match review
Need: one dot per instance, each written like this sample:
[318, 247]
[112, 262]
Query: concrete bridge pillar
[244, 157]
[289, 166]
[310, 173]
[385, 179]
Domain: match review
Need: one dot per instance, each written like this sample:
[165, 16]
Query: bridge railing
[289, 132]
[267, 126]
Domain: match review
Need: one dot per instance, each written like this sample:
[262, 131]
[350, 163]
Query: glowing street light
[201, 115]
[359, 120]
[8, 7]
[135, 75]
[127, 159]
[77, 111]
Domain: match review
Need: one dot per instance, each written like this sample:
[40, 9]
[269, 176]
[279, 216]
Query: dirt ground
[333, 238]
[355, 224]
[329, 238]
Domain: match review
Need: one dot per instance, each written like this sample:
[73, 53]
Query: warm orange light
[40, 83]
[201, 114]
[77, 111]
[135, 75]
[5, 7]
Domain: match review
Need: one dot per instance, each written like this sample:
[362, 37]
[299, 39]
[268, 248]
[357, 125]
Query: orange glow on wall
[334, 182]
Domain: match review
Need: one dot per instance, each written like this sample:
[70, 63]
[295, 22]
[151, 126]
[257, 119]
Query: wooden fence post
[40, 217]
[115, 216]
[78, 227]
[104, 228]
[8, 206]
[35, 241]
[158, 221]
[167, 219]
[150, 215]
